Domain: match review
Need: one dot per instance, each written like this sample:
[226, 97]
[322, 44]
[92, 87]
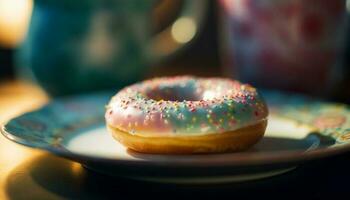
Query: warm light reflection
[12, 156]
[14, 18]
[76, 168]
[183, 30]
[19, 97]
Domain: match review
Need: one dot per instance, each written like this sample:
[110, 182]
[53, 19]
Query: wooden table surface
[15, 99]
[27, 173]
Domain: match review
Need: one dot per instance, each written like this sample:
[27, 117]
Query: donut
[187, 114]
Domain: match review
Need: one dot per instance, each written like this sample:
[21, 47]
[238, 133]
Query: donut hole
[174, 94]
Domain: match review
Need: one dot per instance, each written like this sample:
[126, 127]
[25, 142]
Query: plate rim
[217, 160]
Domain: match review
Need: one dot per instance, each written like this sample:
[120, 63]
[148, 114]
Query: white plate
[74, 128]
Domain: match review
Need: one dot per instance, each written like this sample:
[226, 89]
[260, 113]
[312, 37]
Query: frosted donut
[186, 114]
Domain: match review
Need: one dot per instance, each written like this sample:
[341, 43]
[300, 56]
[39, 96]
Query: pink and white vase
[286, 44]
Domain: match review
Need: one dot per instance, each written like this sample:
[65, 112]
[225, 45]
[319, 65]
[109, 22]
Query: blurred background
[67, 47]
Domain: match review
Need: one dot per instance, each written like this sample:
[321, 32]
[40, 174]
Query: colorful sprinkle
[185, 105]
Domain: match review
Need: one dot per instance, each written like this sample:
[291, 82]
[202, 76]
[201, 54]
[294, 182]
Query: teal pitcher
[81, 46]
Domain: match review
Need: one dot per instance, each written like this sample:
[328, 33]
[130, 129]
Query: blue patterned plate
[300, 129]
